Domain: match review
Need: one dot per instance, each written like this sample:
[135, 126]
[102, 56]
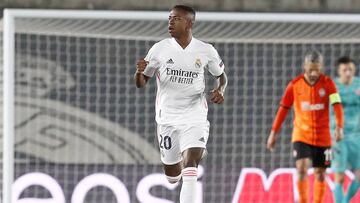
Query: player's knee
[172, 179]
[302, 173]
[191, 161]
[357, 175]
[302, 176]
[192, 157]
[319, 174]
[340, 178]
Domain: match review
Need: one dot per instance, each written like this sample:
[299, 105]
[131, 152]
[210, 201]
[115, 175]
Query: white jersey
[180, 79]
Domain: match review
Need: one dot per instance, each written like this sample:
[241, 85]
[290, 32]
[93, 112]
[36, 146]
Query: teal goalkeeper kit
[347, 151]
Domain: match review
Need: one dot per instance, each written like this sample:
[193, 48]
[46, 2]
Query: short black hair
[313, 56]
[187, 9]
[344, 60]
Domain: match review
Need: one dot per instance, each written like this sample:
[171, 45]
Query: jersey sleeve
[285, 104]
[153, 64]
[279, 119]
[215, 65]
[287, 99]
[339, 114]
[334, 96]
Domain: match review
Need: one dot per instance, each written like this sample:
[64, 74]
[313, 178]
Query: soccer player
[311, 94]
[346, 152]
[179, 64]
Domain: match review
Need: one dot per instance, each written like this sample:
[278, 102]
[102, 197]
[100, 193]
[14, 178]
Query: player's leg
[353, 188]
[193, 141]
[192, 156]
[173, 172]
[302, 166]
[319, 184]
[321, 160]
[191, 160]
[338, 190]
[338, 166]
[302, 153]
[354, 160]
[168, 138]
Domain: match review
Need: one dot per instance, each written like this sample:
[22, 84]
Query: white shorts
[175, 139]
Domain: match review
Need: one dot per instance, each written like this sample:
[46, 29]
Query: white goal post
[9, 30]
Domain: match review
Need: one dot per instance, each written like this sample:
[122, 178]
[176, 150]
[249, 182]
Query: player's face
[346, 71]
[179, 23]
[313, 71]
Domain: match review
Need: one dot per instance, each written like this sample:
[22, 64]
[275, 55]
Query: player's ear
[353, 67]
[190, 23]
[321, 66]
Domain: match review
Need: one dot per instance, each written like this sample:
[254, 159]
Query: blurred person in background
[346, 153]
[311, 94]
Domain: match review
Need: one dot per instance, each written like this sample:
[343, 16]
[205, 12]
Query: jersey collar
[177, 45]
[321, 75]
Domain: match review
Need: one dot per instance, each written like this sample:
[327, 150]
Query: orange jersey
[311, 107]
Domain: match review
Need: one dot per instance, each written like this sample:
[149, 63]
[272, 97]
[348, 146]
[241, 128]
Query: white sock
[188, 188]
[173, 180]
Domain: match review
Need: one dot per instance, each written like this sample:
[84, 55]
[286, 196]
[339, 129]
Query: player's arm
[218, 94]
[146, 68]
[216, 67]
[335, 101]
[139, 77]
[285, 105]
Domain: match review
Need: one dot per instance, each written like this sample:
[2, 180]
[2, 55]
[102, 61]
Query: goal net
[84, 133]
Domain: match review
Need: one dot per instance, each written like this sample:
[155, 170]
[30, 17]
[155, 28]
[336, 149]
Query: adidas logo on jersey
[170, 61]
[202, 139]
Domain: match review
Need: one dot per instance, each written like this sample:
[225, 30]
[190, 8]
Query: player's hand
[339, 134]
[141, 65]
[217, 96]
[271, 141]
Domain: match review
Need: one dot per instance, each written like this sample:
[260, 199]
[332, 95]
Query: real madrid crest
[322, 92]
[198, 63]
